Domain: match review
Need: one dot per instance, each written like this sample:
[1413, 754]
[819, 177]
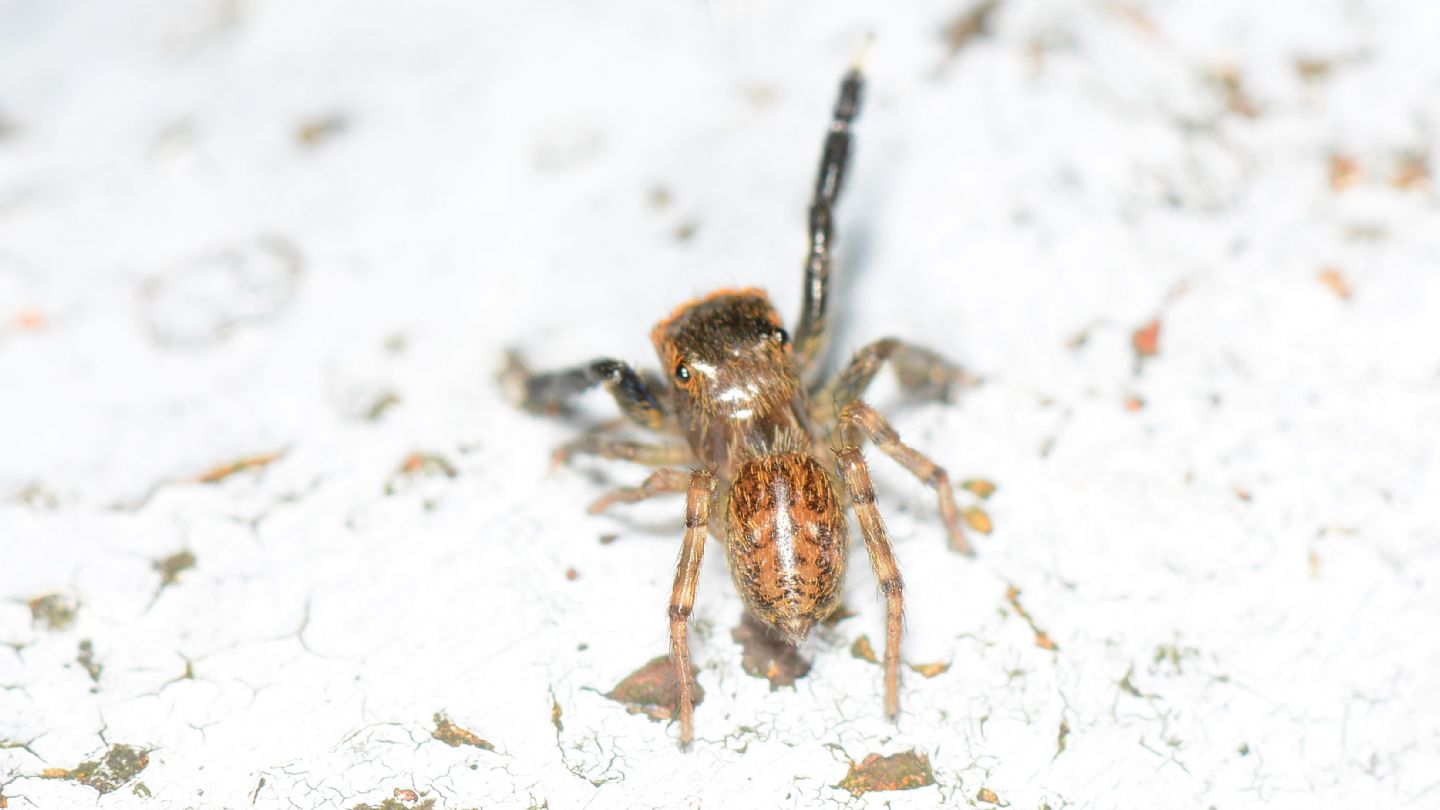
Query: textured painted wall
[271, 536]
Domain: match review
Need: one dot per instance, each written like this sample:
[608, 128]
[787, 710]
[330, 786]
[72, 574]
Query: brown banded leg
[550, 392]
[663, 481]
[682, 597]
[868, 419]
[922, 374]
[592, 444]
[882, 559]
[810, 332]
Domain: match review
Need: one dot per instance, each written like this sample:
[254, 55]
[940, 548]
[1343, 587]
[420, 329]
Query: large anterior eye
[682, 373]
[780, 335]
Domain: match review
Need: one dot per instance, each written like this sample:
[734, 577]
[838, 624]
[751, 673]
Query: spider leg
[877, 543]
[682, 597]
[810, 334]
[860, 415]
[922, 373]
[664, 481]
[655, 455]
[549, 392]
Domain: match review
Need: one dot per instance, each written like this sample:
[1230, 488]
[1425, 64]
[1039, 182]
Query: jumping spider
[760, 425]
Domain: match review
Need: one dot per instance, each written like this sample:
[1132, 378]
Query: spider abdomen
[786, 540]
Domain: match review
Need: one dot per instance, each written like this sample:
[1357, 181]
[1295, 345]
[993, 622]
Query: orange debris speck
[1413, 174]
[1345, 173]
[977, 519]
[220, 473]
[1146, 339]
[931, 670]
[979, 487]
[1332, 277]
[28, 320]
[861, 649]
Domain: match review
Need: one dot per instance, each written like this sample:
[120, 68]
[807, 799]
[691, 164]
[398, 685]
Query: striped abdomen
[786, 539]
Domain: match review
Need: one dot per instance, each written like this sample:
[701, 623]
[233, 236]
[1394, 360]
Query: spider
[771, 445]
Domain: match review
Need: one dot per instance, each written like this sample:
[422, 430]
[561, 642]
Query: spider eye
[781, 336]
[682, 373]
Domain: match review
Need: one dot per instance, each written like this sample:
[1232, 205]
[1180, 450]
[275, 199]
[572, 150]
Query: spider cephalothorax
[734, 387]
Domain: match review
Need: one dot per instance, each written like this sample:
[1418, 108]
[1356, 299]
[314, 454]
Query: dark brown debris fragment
[904, 771]
[1127, 684]
[1314, 69]
[86, 659]
[172, 567]
[861, 649]
[765, 656]
[53, 611]
[317, 131]
[686, 230]
[382, 403]
[119, 765]
[972, 23]
[455, 736]
[650, 690]
[419, 465]
[987, 795]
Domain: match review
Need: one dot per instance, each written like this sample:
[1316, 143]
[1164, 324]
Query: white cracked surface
[483, 175]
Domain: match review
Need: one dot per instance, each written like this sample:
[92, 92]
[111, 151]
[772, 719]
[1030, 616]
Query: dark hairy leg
[550, 392]
[811, 332]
